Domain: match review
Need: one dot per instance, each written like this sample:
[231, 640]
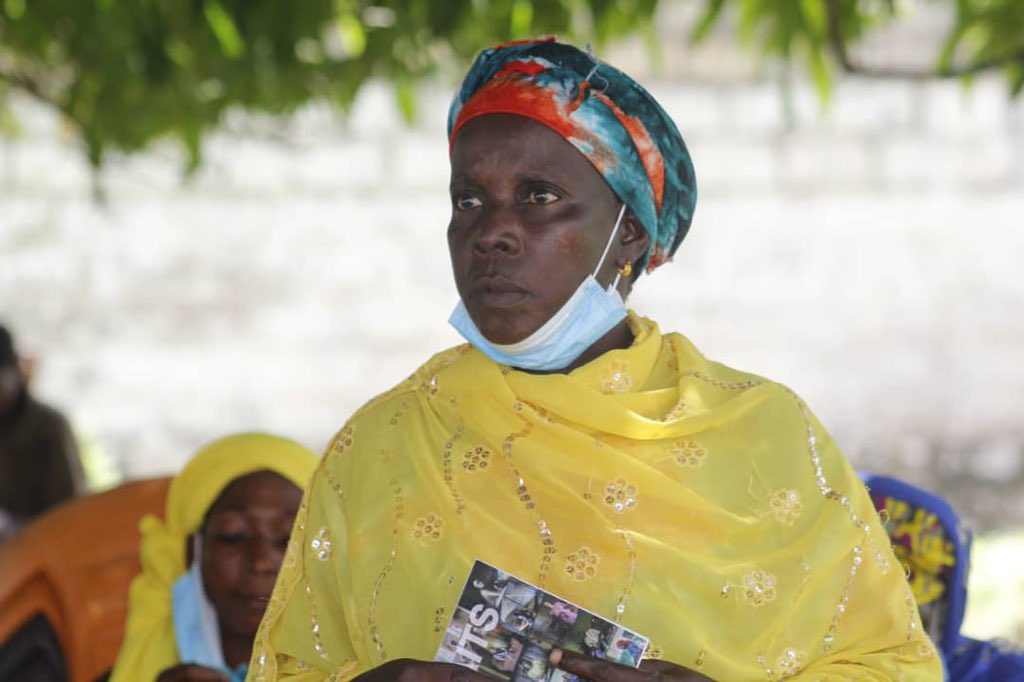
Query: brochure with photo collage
[504, 627]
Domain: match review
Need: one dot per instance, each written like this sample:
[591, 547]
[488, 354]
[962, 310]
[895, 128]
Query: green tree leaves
[128, 72]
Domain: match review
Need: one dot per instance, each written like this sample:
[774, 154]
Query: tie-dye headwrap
[602, 112]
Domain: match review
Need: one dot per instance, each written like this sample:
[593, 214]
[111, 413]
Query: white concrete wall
[869, 257]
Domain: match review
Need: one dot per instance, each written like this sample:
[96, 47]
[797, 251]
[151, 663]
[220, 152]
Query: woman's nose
[264, 555]
[498, 231]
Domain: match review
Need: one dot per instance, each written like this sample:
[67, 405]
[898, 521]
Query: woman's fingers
[594, 669]
[598, 670]
[409, 670]
[663, 670]
[188, 672]
[463, 674]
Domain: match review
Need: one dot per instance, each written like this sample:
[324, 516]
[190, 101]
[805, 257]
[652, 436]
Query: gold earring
[626, 270]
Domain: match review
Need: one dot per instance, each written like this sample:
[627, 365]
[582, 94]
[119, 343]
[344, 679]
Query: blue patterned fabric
[913, 515]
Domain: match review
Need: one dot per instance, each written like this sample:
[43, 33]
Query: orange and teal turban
[609, 117]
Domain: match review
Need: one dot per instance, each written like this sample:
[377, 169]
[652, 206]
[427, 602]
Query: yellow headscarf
[702, 507]
[149, 645]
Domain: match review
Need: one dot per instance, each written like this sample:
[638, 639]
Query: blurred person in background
[39, 462]
[208, 567]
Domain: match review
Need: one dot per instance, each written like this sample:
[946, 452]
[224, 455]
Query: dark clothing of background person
[39, 463]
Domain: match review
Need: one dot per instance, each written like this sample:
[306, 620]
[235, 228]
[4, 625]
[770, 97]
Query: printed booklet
[504, 627]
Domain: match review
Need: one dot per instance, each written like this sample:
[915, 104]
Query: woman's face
[244, 539]
[530, 219]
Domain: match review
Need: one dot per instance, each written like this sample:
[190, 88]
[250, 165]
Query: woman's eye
[230, 538]
[465, 202]
[541, 196]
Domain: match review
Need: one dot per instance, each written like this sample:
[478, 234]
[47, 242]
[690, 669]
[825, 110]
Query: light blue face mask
[590, 313]
[195, 622]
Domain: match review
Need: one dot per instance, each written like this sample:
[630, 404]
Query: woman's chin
[505, 327]
[501, 336]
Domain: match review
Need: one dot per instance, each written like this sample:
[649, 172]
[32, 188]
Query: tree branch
[837, 44]
[26, 84]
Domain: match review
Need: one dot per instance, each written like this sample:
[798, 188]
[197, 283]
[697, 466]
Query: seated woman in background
[573, 445]
[209, 566]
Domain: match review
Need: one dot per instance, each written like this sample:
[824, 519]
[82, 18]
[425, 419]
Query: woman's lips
[497, 291]
[499, 299]
[254, 602]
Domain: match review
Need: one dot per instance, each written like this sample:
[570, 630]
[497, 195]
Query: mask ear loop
[607, 247]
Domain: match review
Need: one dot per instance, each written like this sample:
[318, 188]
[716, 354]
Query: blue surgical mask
[590, 313]
[195, 621]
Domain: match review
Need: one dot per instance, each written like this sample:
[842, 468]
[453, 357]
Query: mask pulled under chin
[591, 312]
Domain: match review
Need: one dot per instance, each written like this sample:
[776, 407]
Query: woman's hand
[597, 670]
[190, 672]
[409, 670]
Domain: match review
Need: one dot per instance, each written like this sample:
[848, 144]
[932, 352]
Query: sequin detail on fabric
[619, 495]
[724, 385]
[790, 663]
[675, 413]
[688, 453]
[616, 378]
[318, 644]
[378, 583]
[399, 413]
[547, 539]
[430, 387]
[321, 545]
[844, 599]
[785, 506]
[342, 442]
[582, 564]
[446, 458]
[759, 588]
[828, 492]
[477, 459]
[428, 529]
[620, 607]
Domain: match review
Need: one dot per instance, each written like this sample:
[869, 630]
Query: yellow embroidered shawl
[700, 506]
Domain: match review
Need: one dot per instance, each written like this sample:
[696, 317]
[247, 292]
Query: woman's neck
[236, 648]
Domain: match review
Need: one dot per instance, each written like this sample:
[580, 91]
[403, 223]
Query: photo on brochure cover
[504, 627]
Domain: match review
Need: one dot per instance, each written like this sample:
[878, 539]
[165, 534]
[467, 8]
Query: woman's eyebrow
[533, 176]
[543, 178]
[234, 509]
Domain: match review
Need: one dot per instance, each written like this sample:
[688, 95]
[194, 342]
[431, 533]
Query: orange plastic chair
[64, 584]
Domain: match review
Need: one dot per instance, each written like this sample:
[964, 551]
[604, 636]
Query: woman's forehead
[509, 132]
[517, 145]
[252, 513]
[257, 490]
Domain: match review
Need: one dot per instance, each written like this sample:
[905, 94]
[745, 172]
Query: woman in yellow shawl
[209, 565]
[574, 445]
